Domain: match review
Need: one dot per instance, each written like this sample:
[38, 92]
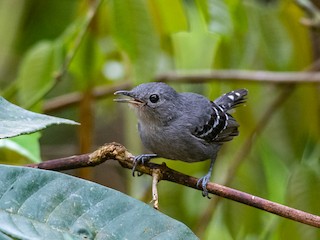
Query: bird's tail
[232, 99]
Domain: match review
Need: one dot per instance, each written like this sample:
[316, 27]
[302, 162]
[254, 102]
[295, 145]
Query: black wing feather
[221, 126]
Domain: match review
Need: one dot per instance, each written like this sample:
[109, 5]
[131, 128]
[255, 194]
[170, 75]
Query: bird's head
[152, 101]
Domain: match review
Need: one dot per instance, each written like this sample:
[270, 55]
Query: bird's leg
[143, 158]
[205, 179]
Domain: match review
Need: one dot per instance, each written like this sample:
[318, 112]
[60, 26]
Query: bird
[182, 126]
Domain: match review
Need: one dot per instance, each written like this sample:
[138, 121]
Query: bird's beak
[132, 100]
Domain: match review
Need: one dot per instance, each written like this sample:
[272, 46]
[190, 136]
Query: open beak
[132, 100]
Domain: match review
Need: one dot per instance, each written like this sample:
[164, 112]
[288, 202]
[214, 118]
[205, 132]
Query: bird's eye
[154, 98]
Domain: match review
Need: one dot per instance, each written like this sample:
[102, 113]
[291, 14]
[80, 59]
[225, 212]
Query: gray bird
[182, 126]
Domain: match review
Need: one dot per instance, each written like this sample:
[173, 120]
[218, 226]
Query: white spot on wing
[231, 97]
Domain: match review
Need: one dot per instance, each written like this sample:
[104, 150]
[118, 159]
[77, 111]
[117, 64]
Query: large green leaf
[39, 204]
[16, 121]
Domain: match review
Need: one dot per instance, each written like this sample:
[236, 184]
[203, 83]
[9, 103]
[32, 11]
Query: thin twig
[156, 177]
[74, 98]
[115, 151]
[71, 99]
[243, 75]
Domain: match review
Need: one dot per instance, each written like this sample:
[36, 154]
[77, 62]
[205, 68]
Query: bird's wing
[232, 99]
[218, 127]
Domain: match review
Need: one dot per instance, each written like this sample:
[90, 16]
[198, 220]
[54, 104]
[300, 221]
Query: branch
[115, 151]
[244, 75]
[192, 77]
[74, 98]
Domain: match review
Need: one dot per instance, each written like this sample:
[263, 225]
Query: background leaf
[134, 33]
[38, 65]
[20, 150]
[16, 121]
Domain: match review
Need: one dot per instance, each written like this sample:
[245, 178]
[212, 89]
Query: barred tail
[232, 99]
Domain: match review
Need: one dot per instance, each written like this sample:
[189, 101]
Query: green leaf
[302, 193]
[198, 42]
[172, 19]
[220, 18]
[201, 46]
[275, 171]
[86, 65]
[39, 204]
[20, 150]
[277, 45]
[16, 121]
[36, 74]
[133, 30]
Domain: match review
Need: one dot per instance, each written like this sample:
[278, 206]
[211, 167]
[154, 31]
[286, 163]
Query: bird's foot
[204, 181]
[141, 159]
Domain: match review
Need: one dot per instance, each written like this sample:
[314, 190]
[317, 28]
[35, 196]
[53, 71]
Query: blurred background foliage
[66, 58]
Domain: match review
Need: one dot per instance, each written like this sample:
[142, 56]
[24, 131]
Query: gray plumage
[183, 126]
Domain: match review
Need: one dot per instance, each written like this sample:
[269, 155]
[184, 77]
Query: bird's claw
[141, 159]
[204, 181]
